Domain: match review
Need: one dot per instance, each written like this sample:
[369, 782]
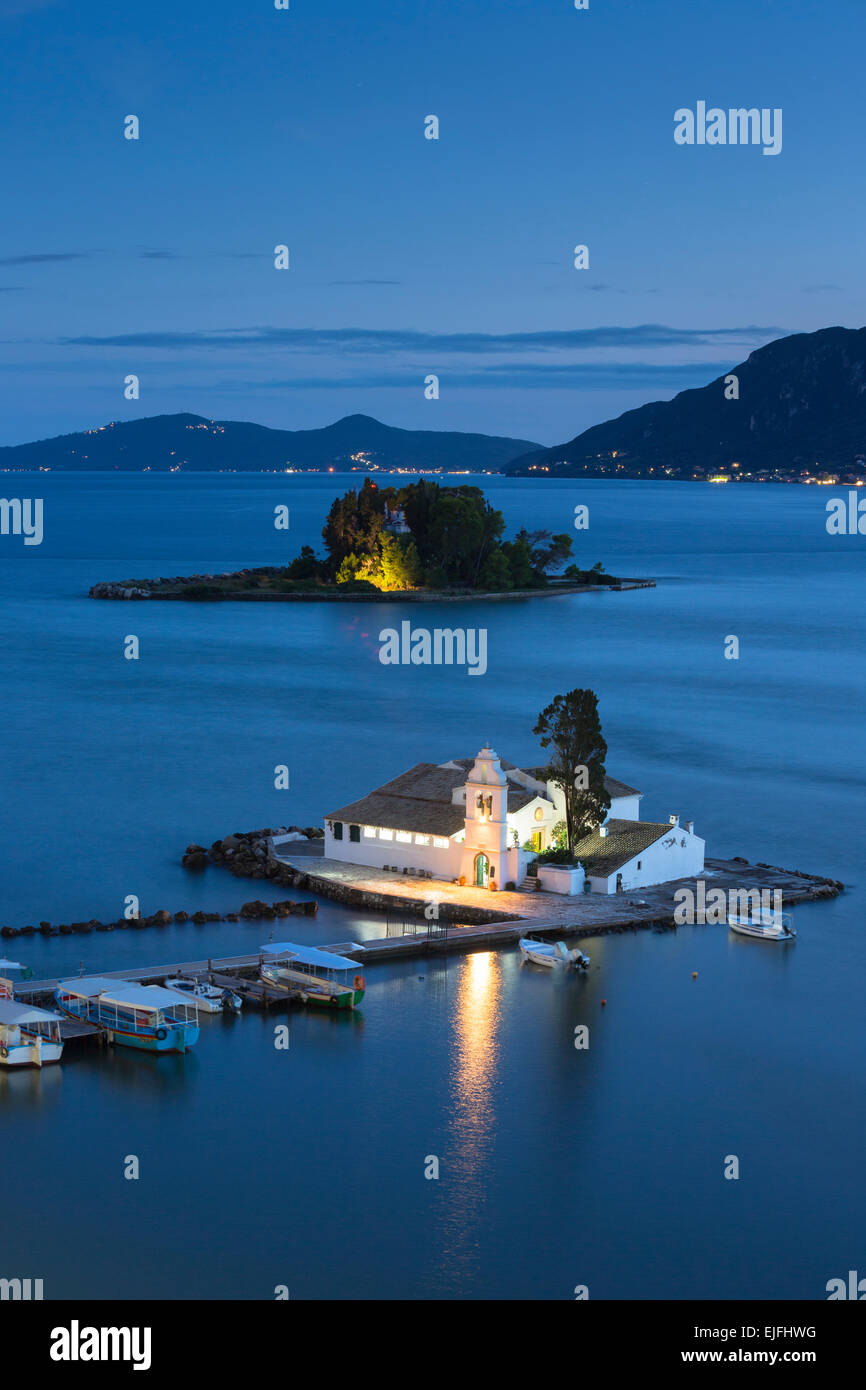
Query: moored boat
[317, 977]
[12, 970]
[142, 1016]
[551, 953]
[28, 1037]
[767, 926]
[210, 998]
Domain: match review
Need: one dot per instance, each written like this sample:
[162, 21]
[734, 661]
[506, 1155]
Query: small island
[421, 541]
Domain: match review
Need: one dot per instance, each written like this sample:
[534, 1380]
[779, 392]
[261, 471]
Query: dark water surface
[557, 1167]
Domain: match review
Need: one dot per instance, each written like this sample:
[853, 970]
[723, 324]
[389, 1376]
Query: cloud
[158, 256]
[385, 340]
[519, 376]
[38, 257]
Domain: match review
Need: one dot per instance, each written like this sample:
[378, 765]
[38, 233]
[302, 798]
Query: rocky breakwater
[247, 854]
[250, 911]
[118, 591]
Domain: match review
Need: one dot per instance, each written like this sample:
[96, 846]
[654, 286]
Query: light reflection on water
[472, 1121]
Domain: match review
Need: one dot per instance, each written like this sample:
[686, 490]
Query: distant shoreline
[139, 591]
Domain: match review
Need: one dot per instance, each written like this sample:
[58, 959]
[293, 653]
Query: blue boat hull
[172, 1037]
[179, 1038]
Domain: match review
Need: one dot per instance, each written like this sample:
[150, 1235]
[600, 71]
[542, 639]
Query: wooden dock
[548, 916]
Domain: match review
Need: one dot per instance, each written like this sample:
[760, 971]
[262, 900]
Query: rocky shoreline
[214, 588]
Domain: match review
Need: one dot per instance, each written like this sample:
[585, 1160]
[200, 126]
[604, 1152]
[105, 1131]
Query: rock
[196, 859]
[199, 918]
[161, 917]
[181, 916]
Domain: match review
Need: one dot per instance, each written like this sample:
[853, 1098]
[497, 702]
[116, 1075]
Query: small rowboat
[551, 953]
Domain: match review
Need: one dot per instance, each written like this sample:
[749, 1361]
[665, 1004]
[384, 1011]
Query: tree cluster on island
[424, 536]
[570, 727]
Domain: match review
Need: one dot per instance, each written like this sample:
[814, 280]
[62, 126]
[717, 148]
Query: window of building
[370, 832]
[386, 834]
[422, 839]
[439, 842]
[404, 837]
[355, 833]
[338, 830]
[638, 863]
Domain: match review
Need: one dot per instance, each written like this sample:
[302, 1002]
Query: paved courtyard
[409, 893]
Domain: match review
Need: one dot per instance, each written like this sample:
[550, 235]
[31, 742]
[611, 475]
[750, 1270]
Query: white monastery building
[482, 821]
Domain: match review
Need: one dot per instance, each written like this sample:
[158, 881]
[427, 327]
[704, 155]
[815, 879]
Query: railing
[415, 924]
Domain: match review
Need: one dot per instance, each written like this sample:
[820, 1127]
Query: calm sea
[557, 1167]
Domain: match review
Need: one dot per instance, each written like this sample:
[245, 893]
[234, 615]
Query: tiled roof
[403, 813]
[603, 856]
[420, 798]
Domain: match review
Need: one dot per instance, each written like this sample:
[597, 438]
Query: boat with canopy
[12, 968]
[143, 1016]
[29, 1037]
[318, 977]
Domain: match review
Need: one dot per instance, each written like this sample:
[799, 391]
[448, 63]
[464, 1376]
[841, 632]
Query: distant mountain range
[796, 410]
[801, 411]
[189, 442]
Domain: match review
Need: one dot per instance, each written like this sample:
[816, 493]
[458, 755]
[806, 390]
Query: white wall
[524, 822]
[443, 863]
[624, 808]
[663, 861]
[560, 879]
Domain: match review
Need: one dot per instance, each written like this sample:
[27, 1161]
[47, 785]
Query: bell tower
[486, 844]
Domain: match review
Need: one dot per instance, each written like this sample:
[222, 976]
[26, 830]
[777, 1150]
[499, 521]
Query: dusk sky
[412, 256]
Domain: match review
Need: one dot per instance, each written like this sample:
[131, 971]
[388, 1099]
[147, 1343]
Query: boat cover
[11, 1012]
[308, 955]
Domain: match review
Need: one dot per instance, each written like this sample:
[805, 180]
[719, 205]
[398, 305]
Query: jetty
[412, 930]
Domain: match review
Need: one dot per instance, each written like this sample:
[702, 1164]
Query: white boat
[28, 1037]
[767, 926]
[552, 953]
[209, 998]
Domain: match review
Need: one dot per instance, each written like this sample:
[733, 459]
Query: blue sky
[412, 256]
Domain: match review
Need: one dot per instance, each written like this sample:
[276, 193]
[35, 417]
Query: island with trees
[420, 541]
